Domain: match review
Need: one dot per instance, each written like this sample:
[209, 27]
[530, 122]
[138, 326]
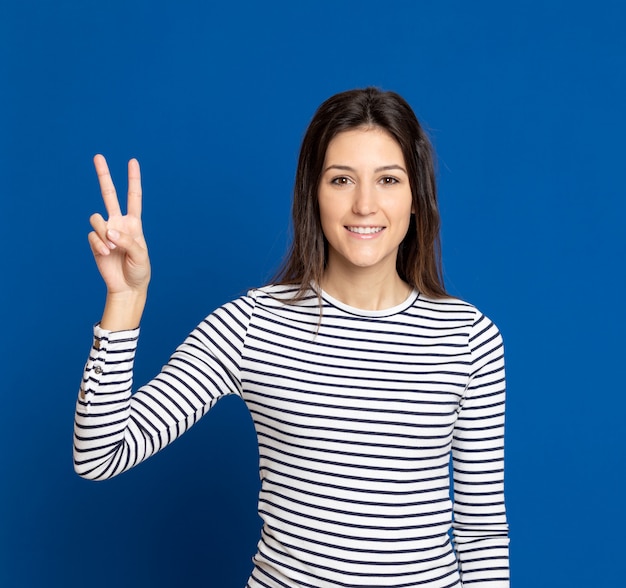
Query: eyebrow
[377, 170]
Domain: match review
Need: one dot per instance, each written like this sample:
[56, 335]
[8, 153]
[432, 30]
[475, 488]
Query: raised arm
[120, 250]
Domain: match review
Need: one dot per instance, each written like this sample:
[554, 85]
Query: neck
[366, 289]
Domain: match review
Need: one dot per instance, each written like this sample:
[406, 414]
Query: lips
[365, 230]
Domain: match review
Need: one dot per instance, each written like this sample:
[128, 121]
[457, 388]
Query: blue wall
[525, 104]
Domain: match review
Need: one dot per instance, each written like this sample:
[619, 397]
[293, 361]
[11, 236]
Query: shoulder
[447, 309]
[275, 296]
[460, 313]
[265, 298]
[283, 292]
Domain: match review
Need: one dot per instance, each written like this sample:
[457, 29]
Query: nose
[364, 202]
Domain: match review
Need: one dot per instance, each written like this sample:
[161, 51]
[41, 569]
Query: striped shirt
[358, 416]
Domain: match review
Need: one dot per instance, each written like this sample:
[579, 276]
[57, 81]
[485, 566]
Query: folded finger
[135, 251]
[100, 227]
[98, 247]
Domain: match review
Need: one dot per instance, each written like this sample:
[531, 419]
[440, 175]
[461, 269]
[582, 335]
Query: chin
[367, 263]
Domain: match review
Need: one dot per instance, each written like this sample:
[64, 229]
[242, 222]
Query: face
[365, 200]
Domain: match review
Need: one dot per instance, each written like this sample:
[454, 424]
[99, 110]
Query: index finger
[134, 189]
[109, 195]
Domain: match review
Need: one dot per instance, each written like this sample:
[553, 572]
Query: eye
[340, 181]
[389, 180]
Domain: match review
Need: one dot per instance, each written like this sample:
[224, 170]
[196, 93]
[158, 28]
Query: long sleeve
[115, 429]
[480, 527]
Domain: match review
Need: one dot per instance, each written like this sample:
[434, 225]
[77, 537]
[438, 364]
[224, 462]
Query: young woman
[362, 376]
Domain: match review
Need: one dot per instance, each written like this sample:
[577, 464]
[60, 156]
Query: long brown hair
[419, 255]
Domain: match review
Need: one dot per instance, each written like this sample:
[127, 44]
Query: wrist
[123, 310]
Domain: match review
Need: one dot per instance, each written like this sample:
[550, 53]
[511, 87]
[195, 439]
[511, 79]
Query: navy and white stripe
[357, 415]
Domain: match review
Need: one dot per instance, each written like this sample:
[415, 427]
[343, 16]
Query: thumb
[131, 246]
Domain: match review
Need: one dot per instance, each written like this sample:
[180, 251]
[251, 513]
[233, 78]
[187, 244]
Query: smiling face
[365, 201]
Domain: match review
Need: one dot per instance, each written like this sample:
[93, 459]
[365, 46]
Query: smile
[365, 230]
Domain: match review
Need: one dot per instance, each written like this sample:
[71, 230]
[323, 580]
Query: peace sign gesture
[118, 244]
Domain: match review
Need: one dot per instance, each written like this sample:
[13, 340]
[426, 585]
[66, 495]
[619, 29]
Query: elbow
[88, 470]
[92, 467]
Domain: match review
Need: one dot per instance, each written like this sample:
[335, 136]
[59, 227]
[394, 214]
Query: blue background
[525, 105]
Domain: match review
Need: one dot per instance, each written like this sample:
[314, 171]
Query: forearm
[480, 530]
[103, 406]
[114, 428]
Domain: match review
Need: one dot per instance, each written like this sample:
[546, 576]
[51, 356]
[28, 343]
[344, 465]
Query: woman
[362, 376]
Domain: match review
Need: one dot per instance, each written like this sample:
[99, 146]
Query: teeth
[365, 230]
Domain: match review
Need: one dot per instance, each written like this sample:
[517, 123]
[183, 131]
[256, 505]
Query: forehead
[364, 145]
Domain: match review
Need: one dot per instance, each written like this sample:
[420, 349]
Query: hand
[118, 244]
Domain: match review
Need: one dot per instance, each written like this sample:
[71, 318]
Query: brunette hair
[419, 255]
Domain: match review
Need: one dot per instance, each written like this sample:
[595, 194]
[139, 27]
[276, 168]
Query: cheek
[406, 213]
[324, 216]
[403, 208]
[329, 210]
